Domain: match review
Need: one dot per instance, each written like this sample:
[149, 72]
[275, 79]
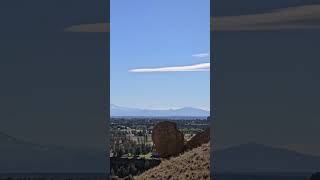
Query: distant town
[131, 148]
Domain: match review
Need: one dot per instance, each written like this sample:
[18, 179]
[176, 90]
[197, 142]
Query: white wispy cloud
[194, 67]
[201, 55]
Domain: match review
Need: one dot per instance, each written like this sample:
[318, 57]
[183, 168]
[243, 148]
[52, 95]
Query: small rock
[199, 139]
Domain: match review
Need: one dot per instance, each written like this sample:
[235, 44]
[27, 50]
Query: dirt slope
[191, 165]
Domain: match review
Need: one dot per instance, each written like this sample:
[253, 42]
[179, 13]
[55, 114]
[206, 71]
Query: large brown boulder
[168, 140]
[199, 139]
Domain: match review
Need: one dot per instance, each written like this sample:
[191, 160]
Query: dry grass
[191, 165]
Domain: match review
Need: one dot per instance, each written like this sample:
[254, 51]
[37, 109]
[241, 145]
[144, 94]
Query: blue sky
[155, 34]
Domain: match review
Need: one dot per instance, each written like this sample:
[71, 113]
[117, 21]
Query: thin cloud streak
[190, 68]
[201, 55]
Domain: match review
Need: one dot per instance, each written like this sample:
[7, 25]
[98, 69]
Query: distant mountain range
[186, 112]
[254, 157]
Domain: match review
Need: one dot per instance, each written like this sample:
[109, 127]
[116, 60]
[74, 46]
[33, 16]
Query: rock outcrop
[168, 140]
[199, 139]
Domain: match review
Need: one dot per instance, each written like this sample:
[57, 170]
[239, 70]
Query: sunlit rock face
[168, 140]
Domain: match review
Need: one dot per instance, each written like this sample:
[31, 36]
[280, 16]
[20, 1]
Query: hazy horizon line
[166, 108]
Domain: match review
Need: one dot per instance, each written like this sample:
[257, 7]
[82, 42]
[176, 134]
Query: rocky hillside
[191, 165]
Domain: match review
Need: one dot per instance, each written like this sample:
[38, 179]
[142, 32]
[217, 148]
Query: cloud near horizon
[190, 68]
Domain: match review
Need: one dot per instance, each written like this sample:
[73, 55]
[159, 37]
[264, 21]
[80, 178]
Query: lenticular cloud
[195, 67]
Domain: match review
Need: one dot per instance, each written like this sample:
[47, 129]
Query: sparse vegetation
[191, 165]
